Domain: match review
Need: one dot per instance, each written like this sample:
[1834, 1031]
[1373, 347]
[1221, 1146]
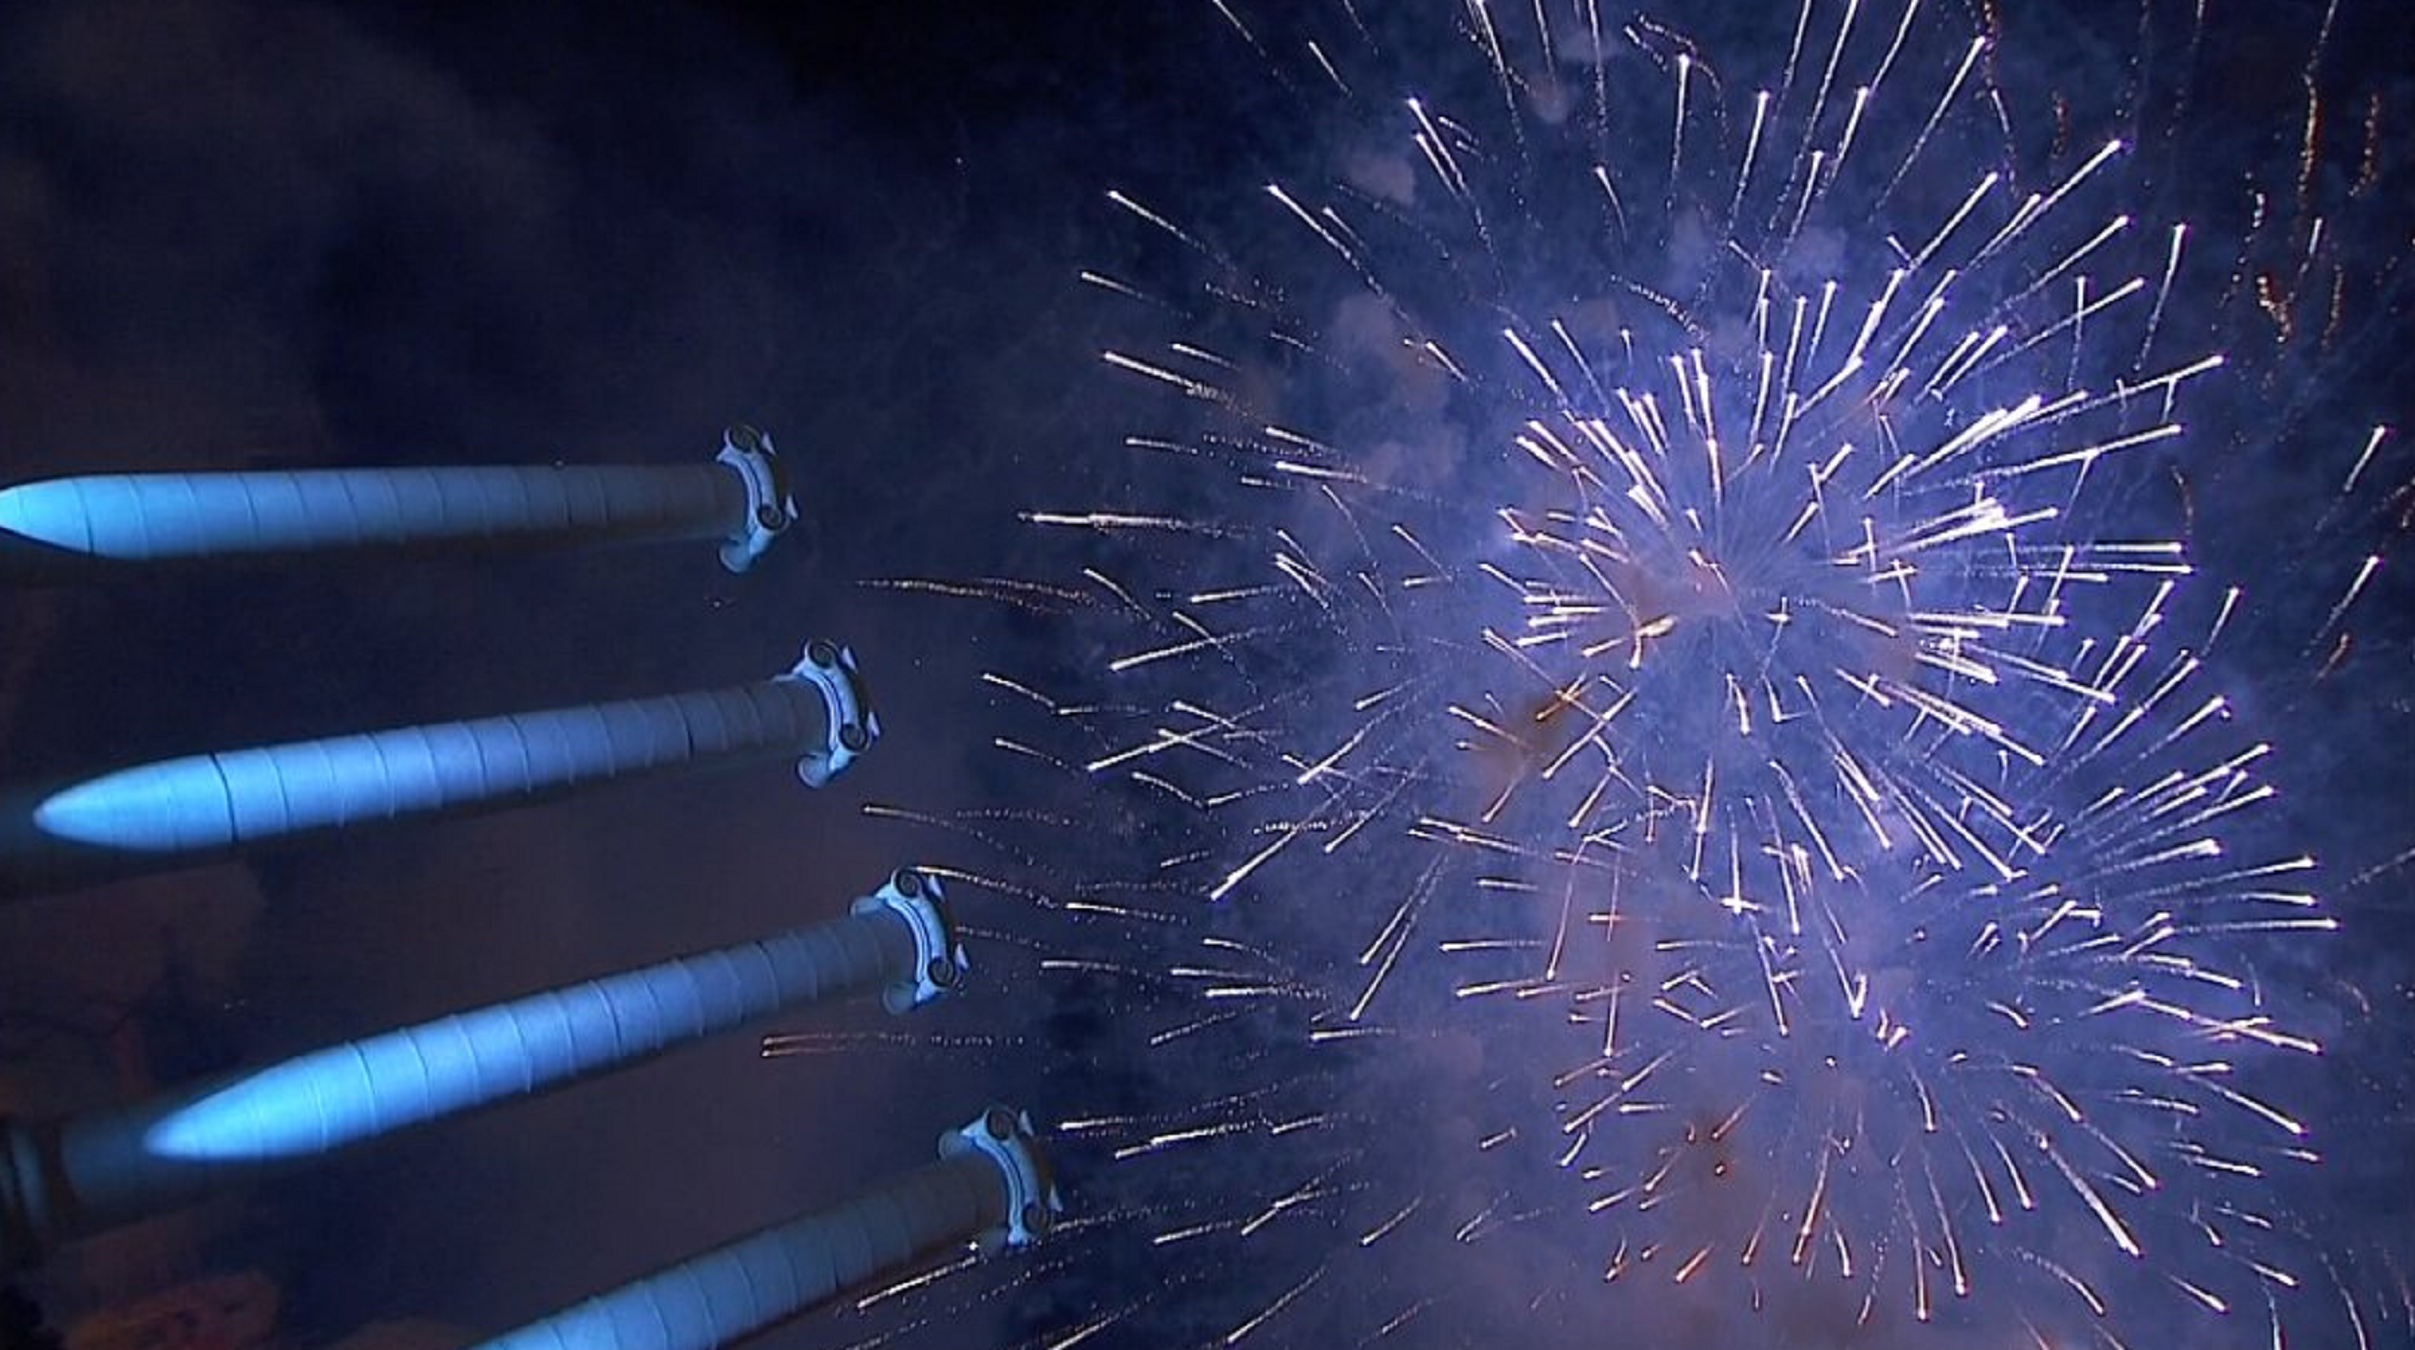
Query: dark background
[245, 235]
[242, 234]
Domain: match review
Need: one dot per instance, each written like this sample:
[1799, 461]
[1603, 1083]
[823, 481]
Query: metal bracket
[1006, 1137]
[853, 728]
[770, 509]
[939, 961]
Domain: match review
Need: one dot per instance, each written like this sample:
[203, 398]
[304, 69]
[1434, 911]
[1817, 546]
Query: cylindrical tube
[66, 525]
[734, 1291]
[179, 811]
[90, 1172]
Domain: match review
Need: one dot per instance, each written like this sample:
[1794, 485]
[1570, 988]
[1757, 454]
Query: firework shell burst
[1650, 655]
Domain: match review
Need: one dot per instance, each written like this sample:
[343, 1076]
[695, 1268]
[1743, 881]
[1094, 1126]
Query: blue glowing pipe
[85, 1173]
[177, 811]
[66, 526]
[990, 1187]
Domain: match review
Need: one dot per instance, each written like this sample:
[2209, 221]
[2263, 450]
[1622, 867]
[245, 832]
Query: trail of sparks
[1751, 601]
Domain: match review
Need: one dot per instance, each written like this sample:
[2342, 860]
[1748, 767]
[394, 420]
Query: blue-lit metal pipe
[65, 526]
[178, 811]
[989, 1186]
[68, 1177]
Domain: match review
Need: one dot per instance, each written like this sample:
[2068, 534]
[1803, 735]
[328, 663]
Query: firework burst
[1647, 642]
[1737, 522]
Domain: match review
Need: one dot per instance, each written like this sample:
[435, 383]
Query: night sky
[251, 235]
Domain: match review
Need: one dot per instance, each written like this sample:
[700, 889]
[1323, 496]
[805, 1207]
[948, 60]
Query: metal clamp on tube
[852, 727]
[68, 1177]
[721, 1297]
[770, 510]
[176, 812]
[1006, 1138]
[939, 960]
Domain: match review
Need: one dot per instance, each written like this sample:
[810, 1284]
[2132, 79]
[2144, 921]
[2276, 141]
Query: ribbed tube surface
[734, 1291]
[118, 1165]
[175, 810]
[169, 517]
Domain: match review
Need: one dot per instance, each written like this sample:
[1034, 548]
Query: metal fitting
[852, 726]
[939, 961]
[770, 509]
[1006, 1137]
